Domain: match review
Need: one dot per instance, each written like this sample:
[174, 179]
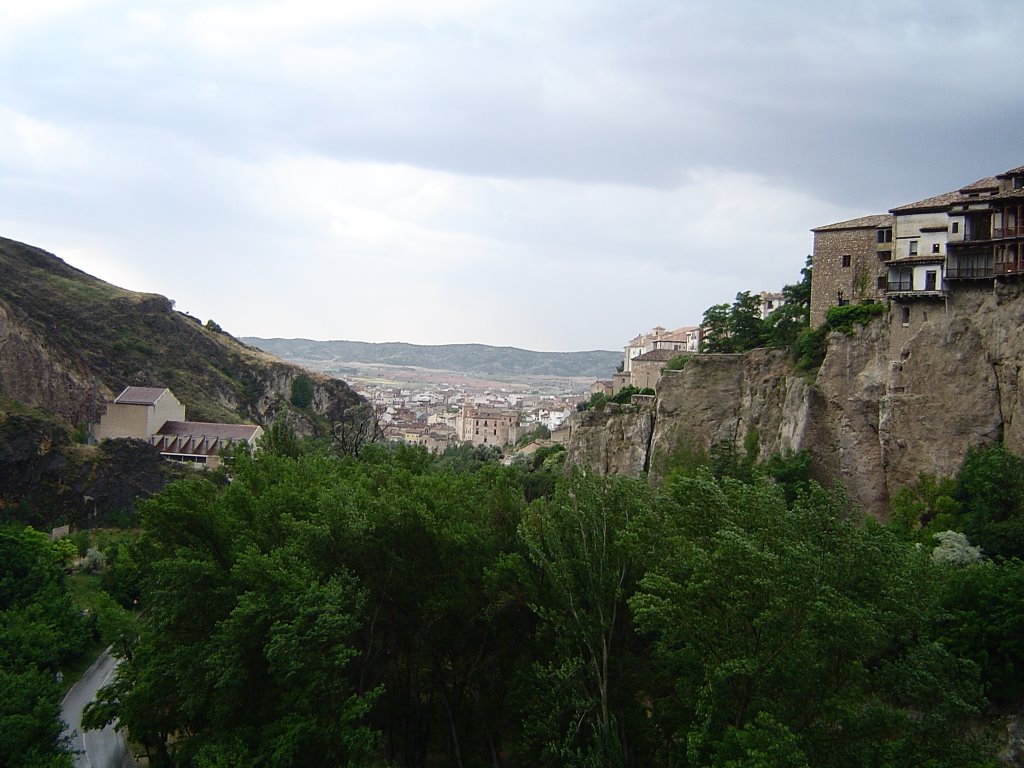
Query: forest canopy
[408, 609]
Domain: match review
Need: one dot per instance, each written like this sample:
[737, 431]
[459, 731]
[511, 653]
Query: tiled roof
[864, 222]
[1012, 172]
[205, 429]
[936, 203]
[657, 356]
[140, 395]
[989, 182]
[1009, 194]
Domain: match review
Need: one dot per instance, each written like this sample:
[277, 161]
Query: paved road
[94, 749]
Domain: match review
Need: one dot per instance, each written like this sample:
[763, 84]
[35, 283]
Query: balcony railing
[900, 285]
[1009, 267]
[1017, 231]
[968, 271]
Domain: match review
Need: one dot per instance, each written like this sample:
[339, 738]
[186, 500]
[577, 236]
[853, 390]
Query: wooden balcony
[969, 271]
[1009, 267]
[1017, 231]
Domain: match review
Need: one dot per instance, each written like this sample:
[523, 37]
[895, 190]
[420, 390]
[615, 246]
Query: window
[884, 255]
[881, 282]
[955, 227]
[906, 315]
[884, 235]
[913, 247]
[931, 280]
[935, 247]
[846, 259]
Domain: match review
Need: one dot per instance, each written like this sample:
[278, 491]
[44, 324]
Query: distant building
[155, 415]
[770, 302]
[487, 426]
[647, 368]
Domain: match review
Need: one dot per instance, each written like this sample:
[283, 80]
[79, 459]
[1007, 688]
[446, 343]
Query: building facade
[155, 415]
[487, 426]
[850, 263]
[923, 250]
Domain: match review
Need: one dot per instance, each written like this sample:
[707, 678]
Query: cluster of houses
[919, 255]
[452, 416]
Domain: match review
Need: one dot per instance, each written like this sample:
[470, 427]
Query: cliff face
[70, 342]
[890, 402]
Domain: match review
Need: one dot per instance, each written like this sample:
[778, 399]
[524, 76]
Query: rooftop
[864, 222]
[208, 430]
[140, 395]
[657, 356]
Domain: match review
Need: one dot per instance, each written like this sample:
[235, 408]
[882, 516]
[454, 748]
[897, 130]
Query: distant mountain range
[469, 359]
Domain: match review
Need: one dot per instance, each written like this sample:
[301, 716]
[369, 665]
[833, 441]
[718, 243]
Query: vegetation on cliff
[739, 327]
[64, 324]
[399, 608]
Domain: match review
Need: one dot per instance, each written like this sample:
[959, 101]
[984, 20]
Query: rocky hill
[889, 402]
[69, 342]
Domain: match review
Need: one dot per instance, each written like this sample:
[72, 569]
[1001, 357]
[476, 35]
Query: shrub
[845, 317]
[677, 363]
[302, 391]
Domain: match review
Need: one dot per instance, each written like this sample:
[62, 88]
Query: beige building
[139, 412]
[487, 426]
[648, 367]
[155, 415]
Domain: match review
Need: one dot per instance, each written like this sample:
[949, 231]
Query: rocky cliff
[889, 402]
[70, 342]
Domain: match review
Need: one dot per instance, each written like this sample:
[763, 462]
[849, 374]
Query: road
[94, 749]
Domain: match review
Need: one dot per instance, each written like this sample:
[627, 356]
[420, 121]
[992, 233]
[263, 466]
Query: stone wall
[856, 282]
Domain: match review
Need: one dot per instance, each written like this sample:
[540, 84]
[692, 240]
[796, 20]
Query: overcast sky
[541, 174]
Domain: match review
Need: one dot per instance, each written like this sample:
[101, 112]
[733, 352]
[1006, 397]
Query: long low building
[155, 415]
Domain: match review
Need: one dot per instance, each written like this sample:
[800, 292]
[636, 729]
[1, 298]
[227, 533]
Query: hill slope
[69, 342]
[472, 359]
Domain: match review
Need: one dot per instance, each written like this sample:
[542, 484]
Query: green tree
[716, 330]
[797, 636]
[990, 489]
[302, 391]
[582, 544]
[40, 632]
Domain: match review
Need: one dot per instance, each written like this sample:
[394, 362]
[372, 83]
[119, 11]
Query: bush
[845, 317]
[302, 391]
[810, 346]
[677, 363]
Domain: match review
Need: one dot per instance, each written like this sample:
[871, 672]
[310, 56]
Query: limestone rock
[890, 402]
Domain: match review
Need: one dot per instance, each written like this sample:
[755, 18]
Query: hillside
[470, 359]
[70, 342]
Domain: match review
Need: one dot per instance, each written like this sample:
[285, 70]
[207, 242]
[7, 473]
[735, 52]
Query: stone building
[487, 426]
[647, 367]
[850, 262]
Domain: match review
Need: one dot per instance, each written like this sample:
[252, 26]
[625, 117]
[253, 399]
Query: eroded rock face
[890, 402]
[613, 441]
